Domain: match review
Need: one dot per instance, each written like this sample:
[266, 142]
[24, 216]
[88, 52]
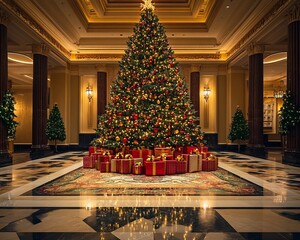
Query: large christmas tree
[150, 105]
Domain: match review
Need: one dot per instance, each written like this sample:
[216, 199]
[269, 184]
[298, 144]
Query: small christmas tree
[150, 105]
[7, 114]
[289, 115]
[55, 130]
[239, 128]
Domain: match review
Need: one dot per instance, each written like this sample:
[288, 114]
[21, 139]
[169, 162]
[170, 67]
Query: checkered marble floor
[271, 216]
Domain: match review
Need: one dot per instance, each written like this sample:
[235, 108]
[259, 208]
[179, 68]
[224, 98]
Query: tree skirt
[92, 182]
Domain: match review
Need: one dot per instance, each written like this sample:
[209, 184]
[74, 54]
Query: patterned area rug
[92, 182]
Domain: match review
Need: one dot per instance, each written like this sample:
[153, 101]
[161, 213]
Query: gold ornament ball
[158, 102]
[117, 138]
[176, 131]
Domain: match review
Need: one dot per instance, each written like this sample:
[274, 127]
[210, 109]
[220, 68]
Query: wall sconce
[279, 90]
[206, 93]
[89, 92]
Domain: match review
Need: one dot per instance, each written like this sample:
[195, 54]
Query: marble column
[292, 153]
[255, 112]
[195, 91]
[5, 157]
[39, 146]
[101, 92]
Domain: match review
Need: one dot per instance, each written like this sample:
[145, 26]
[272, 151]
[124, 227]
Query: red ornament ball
[125, 140]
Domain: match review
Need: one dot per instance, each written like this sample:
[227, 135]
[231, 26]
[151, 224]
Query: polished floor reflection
[272, 214]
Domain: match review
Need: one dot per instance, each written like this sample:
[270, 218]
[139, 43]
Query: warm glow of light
[20, 58]
[276, 57]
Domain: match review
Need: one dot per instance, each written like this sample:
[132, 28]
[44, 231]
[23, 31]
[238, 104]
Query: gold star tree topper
[147, 5]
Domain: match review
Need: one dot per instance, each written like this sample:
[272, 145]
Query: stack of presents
[161, 161]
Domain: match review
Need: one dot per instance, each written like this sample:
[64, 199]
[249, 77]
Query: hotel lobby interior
[231, 54]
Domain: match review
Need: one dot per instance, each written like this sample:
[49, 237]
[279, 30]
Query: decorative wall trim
[295, 13]
[255, 48]
[28, 20]
[262, 23]
[3, 17]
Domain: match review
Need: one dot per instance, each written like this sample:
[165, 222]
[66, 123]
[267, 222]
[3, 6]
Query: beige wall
[221, 109]
[23, 111]
[236, 89]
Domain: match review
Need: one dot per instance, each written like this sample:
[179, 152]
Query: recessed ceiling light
[227, 6]
[19, 58]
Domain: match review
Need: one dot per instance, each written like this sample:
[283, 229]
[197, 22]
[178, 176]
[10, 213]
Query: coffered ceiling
[199, 31]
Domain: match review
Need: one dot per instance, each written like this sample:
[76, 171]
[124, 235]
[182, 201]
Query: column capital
[255, 48]
[294, 13]
[100, 67]
[195, 67]
[42, 49]
[3, 17]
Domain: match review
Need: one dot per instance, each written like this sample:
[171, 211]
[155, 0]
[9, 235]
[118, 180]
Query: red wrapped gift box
[160, 151]
[138, 169]
[209, 165]
[105, 166]
[92, 149]
[96, 156]
[141, 153]
[171, 167]
[124, 165]
[105, 158]
[203, 149]
[205, 155]
[181, 166]
[155, 168]
[88, 162]
[193, 150]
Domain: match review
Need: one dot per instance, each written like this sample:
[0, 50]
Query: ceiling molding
[13, 8]
[266, 19]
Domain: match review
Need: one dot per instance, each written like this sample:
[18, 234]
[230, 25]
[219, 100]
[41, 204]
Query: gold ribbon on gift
[106, 153]
[138, 164]
[179, 158]
[128, 156]
[211, 157]
[150, 158]
[119, 155]
[195, 151]
[106, 166]
[153, 168]
[163, 156]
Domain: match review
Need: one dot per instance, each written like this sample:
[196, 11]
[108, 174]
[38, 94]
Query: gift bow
[128, 156]
[150, 158]
[179, 158]
[106, 153]
[195, 151]
[212, 157]
[163, 156]
[138, 164]
[119, 155]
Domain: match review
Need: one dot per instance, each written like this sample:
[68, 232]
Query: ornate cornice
[295, 13]
[117, 57]
[198, 57]
[29, 21]
[3, 17]
[41, 49]
[258, 26]
[96, 57]
[255, 48]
